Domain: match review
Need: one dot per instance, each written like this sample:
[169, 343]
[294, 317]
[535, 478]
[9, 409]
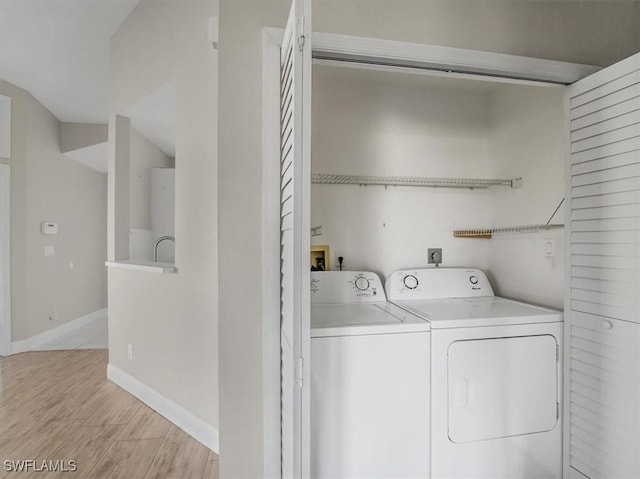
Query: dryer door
[502, 387]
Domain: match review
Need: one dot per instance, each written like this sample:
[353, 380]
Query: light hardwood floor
[59, 406]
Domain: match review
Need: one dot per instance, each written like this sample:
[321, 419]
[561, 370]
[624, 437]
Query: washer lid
[349, 319]
[478, 312]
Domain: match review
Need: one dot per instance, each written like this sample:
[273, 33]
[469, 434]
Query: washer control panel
[437, 283]
[346, 287]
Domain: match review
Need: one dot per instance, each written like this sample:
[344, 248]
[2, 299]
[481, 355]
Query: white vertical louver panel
[604, 284]
[605, 392]
[295, 83]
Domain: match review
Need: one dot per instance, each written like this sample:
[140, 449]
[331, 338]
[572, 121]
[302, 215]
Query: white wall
[527, 126]
[47, 186]
[395, 124]
[376, 123]
[163, 211]
[598, 32]
[75, 136]
[144, 156]
[595, 32]
[171, 320]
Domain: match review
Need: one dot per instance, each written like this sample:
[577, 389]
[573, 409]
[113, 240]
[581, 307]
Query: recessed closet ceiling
[59, 52]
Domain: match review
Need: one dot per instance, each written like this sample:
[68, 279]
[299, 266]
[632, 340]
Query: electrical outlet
[53, 314]
[434, 256]
[130, 351]
[337, 263]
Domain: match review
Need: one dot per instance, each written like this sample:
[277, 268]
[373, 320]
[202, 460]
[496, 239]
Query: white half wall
[170, 320]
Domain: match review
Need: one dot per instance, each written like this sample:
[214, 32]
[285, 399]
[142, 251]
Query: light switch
[49, 228]
[549, 248]
[49, 250]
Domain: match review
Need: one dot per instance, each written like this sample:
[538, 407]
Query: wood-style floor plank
[211, 470]
[120, 408]
[59, 406]
[146, 424]
[42, 440]
[126, 460]
[85, 446]
[179, 457]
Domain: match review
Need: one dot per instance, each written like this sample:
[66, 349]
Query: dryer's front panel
[494, 395]
[502, 387]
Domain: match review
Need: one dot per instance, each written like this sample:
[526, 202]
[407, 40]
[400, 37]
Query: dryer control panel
[346, 287]
[437, 283]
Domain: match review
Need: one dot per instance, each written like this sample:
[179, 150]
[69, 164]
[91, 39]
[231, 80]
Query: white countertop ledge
[149, 266]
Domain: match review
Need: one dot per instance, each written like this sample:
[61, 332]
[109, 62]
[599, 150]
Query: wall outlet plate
[549, 248]
[434, 255]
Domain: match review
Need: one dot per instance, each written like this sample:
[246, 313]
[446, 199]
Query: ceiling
[154, 116]
[58, 50]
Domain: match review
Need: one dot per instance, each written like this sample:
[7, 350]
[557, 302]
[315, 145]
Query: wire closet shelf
[488, 233]
[433, 182]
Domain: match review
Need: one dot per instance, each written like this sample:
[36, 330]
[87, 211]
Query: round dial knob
[473, 279]
[362, 283]
[410, 281]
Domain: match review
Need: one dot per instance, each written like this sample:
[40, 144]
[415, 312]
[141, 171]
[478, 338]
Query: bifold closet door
[603, 302]
[295, 178]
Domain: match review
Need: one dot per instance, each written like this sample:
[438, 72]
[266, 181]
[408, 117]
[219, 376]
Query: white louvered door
[295, 168]
[602, 310]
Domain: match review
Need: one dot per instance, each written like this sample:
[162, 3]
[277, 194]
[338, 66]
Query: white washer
[496, 376]
[369, 381]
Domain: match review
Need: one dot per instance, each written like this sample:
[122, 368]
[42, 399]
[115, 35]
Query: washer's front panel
[370, 406]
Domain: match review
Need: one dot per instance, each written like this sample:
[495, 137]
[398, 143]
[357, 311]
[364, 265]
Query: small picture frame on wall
[320, 258]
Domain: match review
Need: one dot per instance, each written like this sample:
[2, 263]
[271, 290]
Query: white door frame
[342, 49]
[5, 260]
[271, 42]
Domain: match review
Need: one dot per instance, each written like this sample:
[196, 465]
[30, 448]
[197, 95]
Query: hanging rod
[472, 183]
[487, 233]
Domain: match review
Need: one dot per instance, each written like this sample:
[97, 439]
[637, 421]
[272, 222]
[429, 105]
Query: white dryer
[369, 381]
[496, 376]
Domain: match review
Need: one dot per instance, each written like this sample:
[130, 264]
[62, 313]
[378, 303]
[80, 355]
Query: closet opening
[402, 160]
[377, 128]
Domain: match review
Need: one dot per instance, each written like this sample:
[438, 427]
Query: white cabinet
[602, 308]
[5, 126]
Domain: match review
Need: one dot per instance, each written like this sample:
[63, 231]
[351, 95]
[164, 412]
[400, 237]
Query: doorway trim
[271, 42]
[5, 260]
[350, 51]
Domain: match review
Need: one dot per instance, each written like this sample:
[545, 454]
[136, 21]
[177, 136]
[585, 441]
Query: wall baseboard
[32, 343]
[189, 423]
